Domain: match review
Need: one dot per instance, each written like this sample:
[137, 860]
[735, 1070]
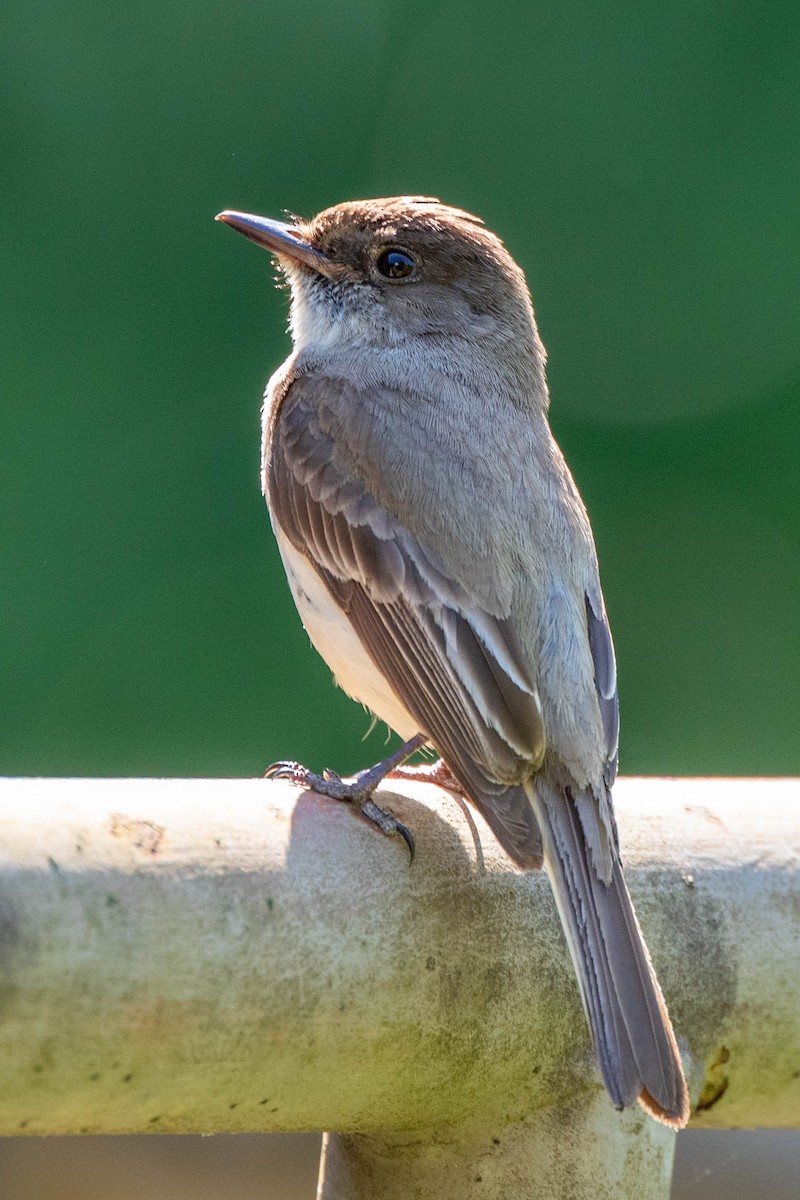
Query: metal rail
[231, 955]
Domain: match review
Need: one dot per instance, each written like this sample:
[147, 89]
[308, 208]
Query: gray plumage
[443, 564]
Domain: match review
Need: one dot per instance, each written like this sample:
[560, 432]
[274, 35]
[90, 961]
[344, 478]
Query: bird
[443, 565]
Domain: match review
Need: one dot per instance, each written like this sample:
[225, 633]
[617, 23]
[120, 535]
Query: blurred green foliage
[643, 164]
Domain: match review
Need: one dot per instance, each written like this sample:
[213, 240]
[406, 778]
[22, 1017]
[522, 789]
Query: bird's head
[381, 272]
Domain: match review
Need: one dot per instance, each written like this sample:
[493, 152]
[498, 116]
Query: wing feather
[605, 674]
[457, 668]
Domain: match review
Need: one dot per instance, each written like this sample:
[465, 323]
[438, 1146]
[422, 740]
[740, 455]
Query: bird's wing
[605, 676]
[458, 669]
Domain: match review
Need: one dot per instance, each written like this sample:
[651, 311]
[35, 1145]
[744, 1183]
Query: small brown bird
[443, 564]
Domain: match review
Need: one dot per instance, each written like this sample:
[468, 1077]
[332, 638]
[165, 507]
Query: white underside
[334, 638]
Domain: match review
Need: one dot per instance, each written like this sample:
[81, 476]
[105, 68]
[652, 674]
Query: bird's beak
[276, 236]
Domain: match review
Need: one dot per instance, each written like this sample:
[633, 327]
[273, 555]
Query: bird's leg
[437, 773]
[359, 791]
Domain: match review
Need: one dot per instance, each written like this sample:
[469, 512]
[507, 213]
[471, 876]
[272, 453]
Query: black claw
[405, 834]
[387, 824]
[327, 784]
[286, 769]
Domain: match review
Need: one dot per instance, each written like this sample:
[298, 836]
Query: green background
[643, 164]
[644, 167]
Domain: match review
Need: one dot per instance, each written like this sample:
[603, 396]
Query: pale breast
[333, 637]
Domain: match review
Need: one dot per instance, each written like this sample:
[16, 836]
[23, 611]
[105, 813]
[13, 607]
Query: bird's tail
[628, 1019]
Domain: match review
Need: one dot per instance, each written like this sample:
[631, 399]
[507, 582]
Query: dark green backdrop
[642, 164]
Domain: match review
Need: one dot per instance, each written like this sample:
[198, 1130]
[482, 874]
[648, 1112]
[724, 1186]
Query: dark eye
[396, 264]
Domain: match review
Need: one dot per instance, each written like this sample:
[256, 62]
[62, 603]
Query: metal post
[579, 1151]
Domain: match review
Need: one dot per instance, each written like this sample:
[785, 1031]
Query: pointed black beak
[276, 236]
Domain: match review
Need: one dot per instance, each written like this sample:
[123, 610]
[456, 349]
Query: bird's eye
[396, 264]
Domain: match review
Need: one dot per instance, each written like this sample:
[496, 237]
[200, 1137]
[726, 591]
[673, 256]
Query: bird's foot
[358, 791]
[326, 784]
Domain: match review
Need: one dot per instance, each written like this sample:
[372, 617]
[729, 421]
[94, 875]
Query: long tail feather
[627, 1016]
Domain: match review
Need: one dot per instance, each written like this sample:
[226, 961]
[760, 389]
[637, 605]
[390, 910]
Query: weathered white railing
[223, 955]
